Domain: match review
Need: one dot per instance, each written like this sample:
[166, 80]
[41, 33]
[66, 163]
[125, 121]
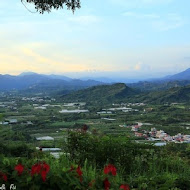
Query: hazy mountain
[177, 80]
[8, 82]
[37, 82]
[27, 73]
[158, 85]
[185, 75]
[102, 93]
[61, 77]
[52, 76]
[111, 80]
[100, 79]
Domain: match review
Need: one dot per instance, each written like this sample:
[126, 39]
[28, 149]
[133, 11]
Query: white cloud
[142, 67]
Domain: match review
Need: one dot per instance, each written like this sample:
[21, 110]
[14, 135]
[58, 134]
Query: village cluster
[159, 135]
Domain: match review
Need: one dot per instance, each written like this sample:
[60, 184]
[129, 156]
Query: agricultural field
[30, 126]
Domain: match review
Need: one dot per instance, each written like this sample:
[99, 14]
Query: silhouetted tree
[47, 5]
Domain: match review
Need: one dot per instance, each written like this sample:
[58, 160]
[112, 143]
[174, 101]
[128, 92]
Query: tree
[47, 5]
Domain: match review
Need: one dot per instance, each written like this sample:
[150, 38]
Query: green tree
[47, 5]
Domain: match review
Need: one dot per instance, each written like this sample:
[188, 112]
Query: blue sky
[115, 38]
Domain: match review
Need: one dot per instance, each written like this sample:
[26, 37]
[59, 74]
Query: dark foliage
[47, 5]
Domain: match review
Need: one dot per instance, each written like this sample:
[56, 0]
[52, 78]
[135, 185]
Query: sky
[109, 38]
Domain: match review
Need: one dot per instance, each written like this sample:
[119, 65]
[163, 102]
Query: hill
[173, 95]
[103, 93]
[145, 86]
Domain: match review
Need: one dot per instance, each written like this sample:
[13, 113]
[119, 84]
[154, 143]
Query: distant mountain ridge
[34, 81]
[38, 81]
[185, 75]
[177, 80]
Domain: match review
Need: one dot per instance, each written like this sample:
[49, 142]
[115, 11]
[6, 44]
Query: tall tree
[47, 5]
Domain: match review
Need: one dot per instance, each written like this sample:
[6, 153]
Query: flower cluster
[40, 168]
[110, 169]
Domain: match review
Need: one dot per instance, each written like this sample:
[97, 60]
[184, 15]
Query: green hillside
[178, 94]
[103, 93]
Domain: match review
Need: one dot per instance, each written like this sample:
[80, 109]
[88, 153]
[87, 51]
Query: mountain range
[37, 82]
[40, 82]
[119, 92]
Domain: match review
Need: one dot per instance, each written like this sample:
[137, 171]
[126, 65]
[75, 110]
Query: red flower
[125, 187]
[36, 169]
[19, 168]
[106, 184]
[3, 176]
[110, 169]
[40, 168]
[45, 167]
[43, 174]
[79, 171]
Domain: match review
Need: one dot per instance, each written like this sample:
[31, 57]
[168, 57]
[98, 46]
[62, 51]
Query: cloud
[142, 67]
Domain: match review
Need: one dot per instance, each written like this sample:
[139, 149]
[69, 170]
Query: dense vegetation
[99, 162]
[103, 93]
[173, 95]
[120, 93]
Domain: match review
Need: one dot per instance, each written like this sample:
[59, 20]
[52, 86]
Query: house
[12, 121]
[108, 119]
[135, 128]
[46, 138]
[138, 134]
[4, 123]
